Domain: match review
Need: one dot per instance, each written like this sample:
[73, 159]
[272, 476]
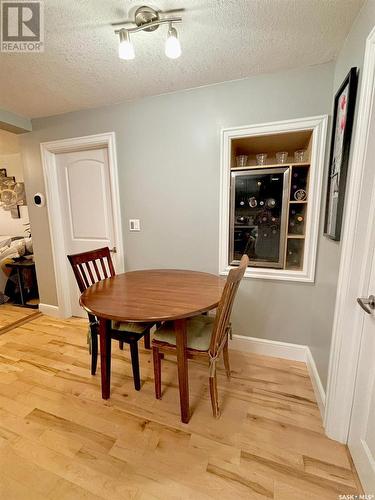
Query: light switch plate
[134, 225]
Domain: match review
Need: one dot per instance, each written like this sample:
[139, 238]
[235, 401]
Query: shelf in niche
[296, 236]
[293, 268]
[273, 165]
[301, 202]
[294, 252]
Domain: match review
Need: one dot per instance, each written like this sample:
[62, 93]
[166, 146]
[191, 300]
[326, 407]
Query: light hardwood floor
[14, 315]
[60, 440]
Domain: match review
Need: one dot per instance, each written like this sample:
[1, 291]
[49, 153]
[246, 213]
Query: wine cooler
[259, 213]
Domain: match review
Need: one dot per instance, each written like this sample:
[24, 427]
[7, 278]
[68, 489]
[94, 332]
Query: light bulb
[172, 44]
[125, 49]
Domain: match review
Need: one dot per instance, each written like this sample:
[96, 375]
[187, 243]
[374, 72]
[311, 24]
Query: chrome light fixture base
[145, 15]
[148, 19]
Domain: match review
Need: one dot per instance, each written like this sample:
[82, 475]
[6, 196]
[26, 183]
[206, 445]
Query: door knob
[368, 305]
[113, 250]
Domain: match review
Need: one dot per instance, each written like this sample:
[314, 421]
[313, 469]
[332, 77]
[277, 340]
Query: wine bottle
[294, 255]
[253, 202]
[241, 219]
[293, 258]
[296, 222]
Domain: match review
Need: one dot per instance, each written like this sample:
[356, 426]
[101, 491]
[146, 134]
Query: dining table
[152, 296]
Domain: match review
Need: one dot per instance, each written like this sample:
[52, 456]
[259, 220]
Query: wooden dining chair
[89, 268]
[207, 337]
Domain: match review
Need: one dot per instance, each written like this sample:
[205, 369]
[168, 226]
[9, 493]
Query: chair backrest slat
[224, 309]
[103, 268]
[86, 269]
[97, 273]
[84, 275]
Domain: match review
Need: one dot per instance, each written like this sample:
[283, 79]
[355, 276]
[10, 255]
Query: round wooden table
[152, 296]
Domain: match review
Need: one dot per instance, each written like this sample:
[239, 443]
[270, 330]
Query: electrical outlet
[134, 225]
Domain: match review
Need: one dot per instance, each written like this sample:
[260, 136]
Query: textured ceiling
[221, 40]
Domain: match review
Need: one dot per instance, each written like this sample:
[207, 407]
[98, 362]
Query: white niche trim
[318, 126]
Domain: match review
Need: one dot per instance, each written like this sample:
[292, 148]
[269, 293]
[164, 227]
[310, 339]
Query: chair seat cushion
[199, 331]
[130, 326]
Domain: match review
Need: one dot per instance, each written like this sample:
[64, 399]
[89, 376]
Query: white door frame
[49, 150]
[348, 318]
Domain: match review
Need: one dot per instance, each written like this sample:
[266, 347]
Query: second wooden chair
[89, 268]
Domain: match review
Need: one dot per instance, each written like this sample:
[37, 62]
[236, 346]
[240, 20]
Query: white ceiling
[221, 40]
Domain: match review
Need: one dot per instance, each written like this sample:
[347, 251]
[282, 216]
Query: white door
[362, 428]
[86, 207]
[362, 425]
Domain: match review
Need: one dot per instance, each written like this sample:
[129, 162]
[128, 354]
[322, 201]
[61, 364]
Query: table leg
[182, 363]
[105, 356]
[20, 286]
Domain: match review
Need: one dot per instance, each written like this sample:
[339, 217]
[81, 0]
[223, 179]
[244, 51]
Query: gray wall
[169, 160]
[351, 55]
[353, 50]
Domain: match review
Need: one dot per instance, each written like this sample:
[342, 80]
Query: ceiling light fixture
[148, 19]
[172, 44]
[125, 48]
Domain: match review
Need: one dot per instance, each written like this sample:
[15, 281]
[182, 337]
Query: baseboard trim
[274, 348]
[316, 382]
[49, 310]
[277, 349]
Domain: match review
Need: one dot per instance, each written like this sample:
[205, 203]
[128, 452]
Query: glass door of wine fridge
[259, 204]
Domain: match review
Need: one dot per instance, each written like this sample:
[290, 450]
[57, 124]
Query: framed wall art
[12, 194]
[342, 126]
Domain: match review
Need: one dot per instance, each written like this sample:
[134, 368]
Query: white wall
[169, 164]
[10, 158]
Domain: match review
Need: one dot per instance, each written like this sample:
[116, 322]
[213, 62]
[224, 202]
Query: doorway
[83, 207]
[361, 439]
[350, 410]
[18, 281]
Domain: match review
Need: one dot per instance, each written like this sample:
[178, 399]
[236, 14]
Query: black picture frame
[342, 128]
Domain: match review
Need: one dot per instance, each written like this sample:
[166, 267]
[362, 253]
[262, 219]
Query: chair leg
[94, 352]
[214, 396]
[146, 340]
[135, 364]
[226, 359]
[157, 371]
[121, 344]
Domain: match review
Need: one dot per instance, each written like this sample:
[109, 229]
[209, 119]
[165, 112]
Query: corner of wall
[284, 350]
